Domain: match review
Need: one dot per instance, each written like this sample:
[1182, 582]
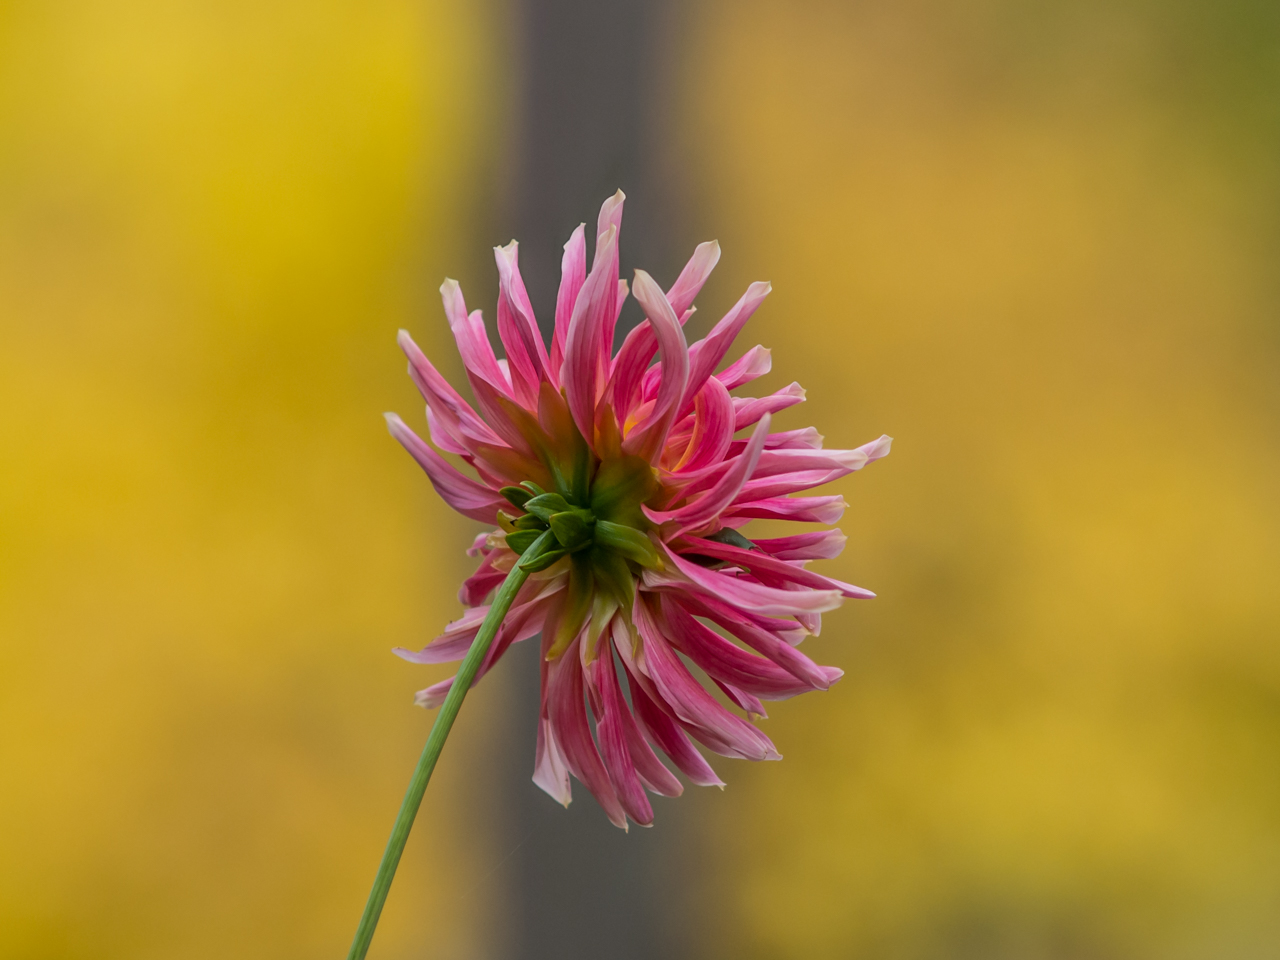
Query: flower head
[636, 469]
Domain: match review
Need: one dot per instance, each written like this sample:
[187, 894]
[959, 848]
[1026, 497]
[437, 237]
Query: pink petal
[756, 362]
[767, 568]
[573, 272]
[610, 217]
[476, 588]
[647, 438]
[750, 595]
[526, 354]
[750, 409]
[550, 770]
[764, 642]
[472, 338]
[568, 715]
[712, 427]
[787, 483]
[802, 509]
[814, 545]
[451, 645]
[582, 364]
[667, 736]
[693, 276]
[748, 702]
[462, 493]
[456, 416]
[614, 747]
[727, 661]
[640, 345]
[705, 719]
[708, 506]
[706, 355]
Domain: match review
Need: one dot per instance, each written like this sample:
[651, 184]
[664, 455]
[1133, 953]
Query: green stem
[435, 743]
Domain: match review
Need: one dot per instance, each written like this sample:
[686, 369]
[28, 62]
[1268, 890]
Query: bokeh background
[1035, 242]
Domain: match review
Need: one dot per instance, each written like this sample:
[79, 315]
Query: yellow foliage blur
[213, 219]
[1037, 245]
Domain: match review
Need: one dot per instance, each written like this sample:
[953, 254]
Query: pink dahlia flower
[636, 471]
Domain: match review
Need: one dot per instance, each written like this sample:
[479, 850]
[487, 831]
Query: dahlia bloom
[634, 468]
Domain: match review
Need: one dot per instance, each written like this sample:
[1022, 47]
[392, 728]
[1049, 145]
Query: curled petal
[708, 506]
[647, 438]
[526, 354]
[712, 427]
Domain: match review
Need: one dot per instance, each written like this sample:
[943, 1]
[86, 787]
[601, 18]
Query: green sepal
[522, 540]
[731, 537]
[546, 504]
[516, 496]
[572, 528]
[528, 521]
[615, 577]
[618, 489]
[506, 521]
[577, 603]
[543, 560]
[629, 542]
[533, 488]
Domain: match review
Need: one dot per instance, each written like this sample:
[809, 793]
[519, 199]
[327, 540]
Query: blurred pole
[585, 116]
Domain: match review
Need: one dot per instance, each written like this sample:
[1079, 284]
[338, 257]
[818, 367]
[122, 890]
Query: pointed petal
[768, 569]
[666, 735]
[526, 354]
[573, 273]
[765, 642]
[802, 509]
[568, 715]
[472, 338]
[581, 373]
[455, 414]
[748, 594]
[693, 276]
[697, 710]
[748, 410]
[728, 662]
[611, 732]
[814, 545]
[706, 355]
[465, 495]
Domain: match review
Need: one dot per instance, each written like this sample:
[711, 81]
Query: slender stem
[435, 743]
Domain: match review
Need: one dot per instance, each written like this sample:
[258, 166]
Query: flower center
[609, 523]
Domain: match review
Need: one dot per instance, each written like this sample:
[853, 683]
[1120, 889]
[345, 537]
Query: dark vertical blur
[586, 118]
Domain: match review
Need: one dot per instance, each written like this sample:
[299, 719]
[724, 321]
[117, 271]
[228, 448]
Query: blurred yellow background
[1035, 243]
